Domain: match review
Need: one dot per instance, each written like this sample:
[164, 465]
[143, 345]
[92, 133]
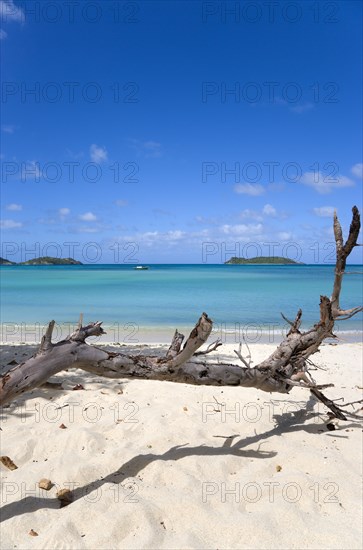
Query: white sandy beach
[163, 465]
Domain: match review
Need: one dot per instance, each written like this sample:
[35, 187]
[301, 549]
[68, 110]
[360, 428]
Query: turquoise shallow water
[238, 298]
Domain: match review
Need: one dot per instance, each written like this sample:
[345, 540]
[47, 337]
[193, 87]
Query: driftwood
[285, 368]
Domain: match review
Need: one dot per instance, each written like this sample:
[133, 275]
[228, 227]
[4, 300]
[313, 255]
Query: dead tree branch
[285, 368]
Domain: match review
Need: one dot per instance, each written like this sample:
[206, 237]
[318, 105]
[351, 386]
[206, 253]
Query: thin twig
[212, 347]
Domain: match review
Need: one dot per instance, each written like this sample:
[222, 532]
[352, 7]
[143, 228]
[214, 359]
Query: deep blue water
[170, 296]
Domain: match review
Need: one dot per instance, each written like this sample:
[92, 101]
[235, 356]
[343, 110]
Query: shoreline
[131, 334]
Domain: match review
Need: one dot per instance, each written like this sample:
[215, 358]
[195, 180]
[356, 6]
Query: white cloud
[206, 220]
[64, 211]
[324, 211]
[251, 214]
[175, 235]
[13, 207]
[87, 229]
[302, 108]
[149, 149]
[269, 210]
[10, 224]
[121, 202]
[284, 236]
[98, 154]
[3, 34]
[10, 12]
[152, 149]
[357, 170]
[167, 236]
[159, 238]
[252, 189]
[88, 217]
[241, 229]
[8, 128]
[324, 184]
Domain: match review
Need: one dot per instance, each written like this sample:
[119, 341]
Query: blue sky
[179, 131]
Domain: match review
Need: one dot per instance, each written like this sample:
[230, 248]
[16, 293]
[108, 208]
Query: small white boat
[141, 267]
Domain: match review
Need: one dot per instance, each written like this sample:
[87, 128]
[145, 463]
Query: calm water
[169, 296]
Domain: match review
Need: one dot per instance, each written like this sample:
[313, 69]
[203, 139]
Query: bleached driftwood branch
[284, 369]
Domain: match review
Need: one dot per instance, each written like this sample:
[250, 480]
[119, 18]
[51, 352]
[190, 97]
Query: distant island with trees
[262, 260]
[44, 260]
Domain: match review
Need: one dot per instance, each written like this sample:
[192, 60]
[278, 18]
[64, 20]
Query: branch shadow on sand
[284, 423]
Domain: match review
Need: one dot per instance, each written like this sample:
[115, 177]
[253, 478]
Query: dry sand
[170, 466]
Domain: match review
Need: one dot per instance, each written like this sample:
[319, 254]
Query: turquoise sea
[148, 305]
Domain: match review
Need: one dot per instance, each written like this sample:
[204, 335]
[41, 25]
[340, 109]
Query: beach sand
[164, 465]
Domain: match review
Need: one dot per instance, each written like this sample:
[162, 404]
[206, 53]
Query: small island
[44, 260]
[275, 260]
[3, 261]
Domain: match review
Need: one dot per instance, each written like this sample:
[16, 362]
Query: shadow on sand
[285, 423]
